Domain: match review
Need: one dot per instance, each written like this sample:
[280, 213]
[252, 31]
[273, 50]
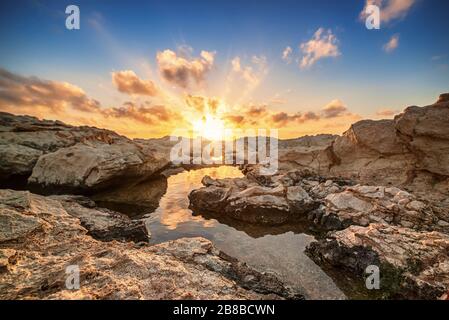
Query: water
[275, 249]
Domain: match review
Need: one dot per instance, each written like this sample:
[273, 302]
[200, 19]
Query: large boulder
[426, 133]
[39, 240]
[309, 152]
[59, 157]
[273, 200]
[370, 151]
[412, 264]
[93, 166]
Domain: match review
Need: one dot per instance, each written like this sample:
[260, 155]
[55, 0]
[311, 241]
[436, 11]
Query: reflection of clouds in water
[173, 208]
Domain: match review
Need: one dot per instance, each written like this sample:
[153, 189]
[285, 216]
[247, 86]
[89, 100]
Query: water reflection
[279, 249]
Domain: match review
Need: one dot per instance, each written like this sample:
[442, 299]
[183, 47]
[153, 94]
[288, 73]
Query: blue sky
[127, 35]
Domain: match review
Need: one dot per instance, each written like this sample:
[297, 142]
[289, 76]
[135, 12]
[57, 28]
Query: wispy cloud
[392, 44]
[386, 113]
[286, 54]
[252, 74]
[323, 44]
[390, 10]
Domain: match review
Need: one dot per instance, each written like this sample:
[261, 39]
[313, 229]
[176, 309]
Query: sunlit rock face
[371, 151]
[410, 151]
[61, 158]
[40, 237]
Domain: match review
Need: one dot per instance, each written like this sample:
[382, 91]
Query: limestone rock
[85, 167]
[46, 239]
[362, 205]
[413, 264]
[265, 200]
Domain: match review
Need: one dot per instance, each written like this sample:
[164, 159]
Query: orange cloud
[145, 113]
[20, 91]
[386, 112]
[128, 82]
[334, 109]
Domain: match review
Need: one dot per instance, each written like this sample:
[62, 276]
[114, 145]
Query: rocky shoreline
[377, 195]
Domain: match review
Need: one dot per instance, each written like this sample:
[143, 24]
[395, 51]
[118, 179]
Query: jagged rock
[412, 150]
[413, 264]
[259, 199]
[38, 233]
[362, 205]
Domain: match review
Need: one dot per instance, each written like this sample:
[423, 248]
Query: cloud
[386, 112]
[286, 54]
[128, 82]
[203, 105]
[254, 74]
[390, 10]
[392, 44]
[184, 71]
[20, 91]
[145, 113]
[334, 109]
[323, 44]
[262, 116]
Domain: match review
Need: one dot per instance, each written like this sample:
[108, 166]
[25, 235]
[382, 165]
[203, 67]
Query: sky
[147, 68]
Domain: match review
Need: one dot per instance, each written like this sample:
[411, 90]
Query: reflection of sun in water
[209, 127]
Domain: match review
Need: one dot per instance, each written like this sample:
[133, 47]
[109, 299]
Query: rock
[412, 150]
[45, 237]
[444, 97]
[426, 132]
[85, 167]
[370, 151]
[309, 152]
[16, 160]
[264, 200]
[62, 158]
[413, 264]
[103, 224]
[362, 205]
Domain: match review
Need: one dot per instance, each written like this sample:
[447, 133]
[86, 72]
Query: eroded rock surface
[259, 199]
[410, 151]
[60, 158]
[412, 264]
[362, 205]
[39, 239]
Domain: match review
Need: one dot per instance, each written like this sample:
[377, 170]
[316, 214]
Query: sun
[209, 127]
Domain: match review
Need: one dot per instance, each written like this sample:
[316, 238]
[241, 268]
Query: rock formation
[278, 200]
[58, 158]
[40, 237]
[412, 264]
